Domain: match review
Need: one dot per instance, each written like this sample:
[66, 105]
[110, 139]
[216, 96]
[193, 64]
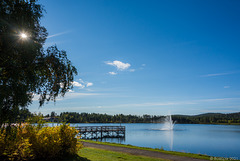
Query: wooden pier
[96, 132]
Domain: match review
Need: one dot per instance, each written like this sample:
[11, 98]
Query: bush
[13, 146]
[27, 142]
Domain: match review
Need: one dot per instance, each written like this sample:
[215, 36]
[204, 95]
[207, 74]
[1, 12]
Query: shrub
[27, 142]
[13, 145]
[2, 141]
[69, 143]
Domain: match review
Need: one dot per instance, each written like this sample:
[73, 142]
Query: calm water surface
[214, 140]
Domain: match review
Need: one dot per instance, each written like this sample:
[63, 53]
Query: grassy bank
[199, 156]
[191, 155]
[94, 154]
[105, 155]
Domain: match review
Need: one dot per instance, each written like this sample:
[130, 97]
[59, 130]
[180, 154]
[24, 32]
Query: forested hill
[74, 117]
[207, 118]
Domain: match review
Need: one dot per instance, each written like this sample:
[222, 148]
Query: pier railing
[91, 132]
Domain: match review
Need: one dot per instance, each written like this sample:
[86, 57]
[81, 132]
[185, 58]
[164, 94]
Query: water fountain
[168, 126]
[167, 130]
[168, 123]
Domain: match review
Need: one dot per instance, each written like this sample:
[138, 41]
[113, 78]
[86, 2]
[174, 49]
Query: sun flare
[23, 35]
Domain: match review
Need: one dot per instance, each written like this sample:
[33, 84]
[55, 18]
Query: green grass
[191, 155]
[105, 155]
[199, 156]
[94, 154]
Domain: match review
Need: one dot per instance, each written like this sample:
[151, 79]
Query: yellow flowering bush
[69, 143]
[2, 141]
[27, 142]
[13, 146]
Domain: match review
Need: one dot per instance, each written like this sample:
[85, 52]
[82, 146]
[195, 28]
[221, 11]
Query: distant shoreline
[207, 118]
[75, 117]
[145, 123]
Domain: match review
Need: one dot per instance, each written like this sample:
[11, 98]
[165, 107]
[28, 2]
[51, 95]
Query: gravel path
[141, 152]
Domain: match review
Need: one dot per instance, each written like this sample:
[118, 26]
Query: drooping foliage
[26, 69]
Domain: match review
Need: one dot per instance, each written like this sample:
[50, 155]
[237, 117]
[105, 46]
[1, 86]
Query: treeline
[208, 118]
[74, 117]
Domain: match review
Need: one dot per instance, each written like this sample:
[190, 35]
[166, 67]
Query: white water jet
[168, 126]
[168, 123]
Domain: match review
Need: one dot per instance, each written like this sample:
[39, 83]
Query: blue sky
[147, 56]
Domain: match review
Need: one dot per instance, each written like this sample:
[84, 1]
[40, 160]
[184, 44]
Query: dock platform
[96, 132]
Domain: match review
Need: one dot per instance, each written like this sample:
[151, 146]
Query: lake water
[214, 140]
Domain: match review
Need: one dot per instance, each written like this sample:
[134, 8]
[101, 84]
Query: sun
[23, 35]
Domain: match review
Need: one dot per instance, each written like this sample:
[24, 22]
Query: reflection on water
[169, 137]
[214, 140]
[112, 140]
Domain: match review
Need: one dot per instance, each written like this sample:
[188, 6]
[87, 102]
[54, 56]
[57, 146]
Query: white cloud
[142, 66]
[119, 65]
[77, 84]
[219, 111]
[218, 74]
[89, 84]
[175, 103]
[112, 73]
[82, 84]
[70, 95]
[132, 70]
[226, 87]
[81, 80]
